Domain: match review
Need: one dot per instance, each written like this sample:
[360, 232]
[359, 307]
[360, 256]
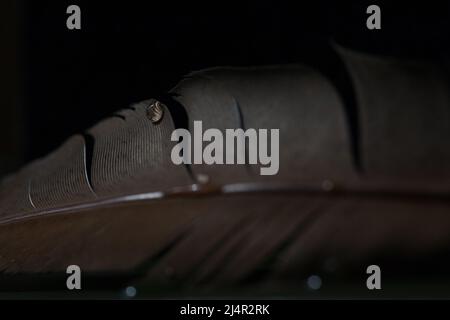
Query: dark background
[56, 82]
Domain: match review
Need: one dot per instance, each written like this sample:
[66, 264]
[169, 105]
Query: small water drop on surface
[314, 282]
[130, 292]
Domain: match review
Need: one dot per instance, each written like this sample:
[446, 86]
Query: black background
[128, 51]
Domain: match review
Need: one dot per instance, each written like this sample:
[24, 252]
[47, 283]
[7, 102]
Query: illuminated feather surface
[363, 179]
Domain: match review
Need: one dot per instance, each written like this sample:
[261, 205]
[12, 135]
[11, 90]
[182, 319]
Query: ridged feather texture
[362, 181]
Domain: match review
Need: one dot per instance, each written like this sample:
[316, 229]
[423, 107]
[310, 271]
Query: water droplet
[314, 282]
